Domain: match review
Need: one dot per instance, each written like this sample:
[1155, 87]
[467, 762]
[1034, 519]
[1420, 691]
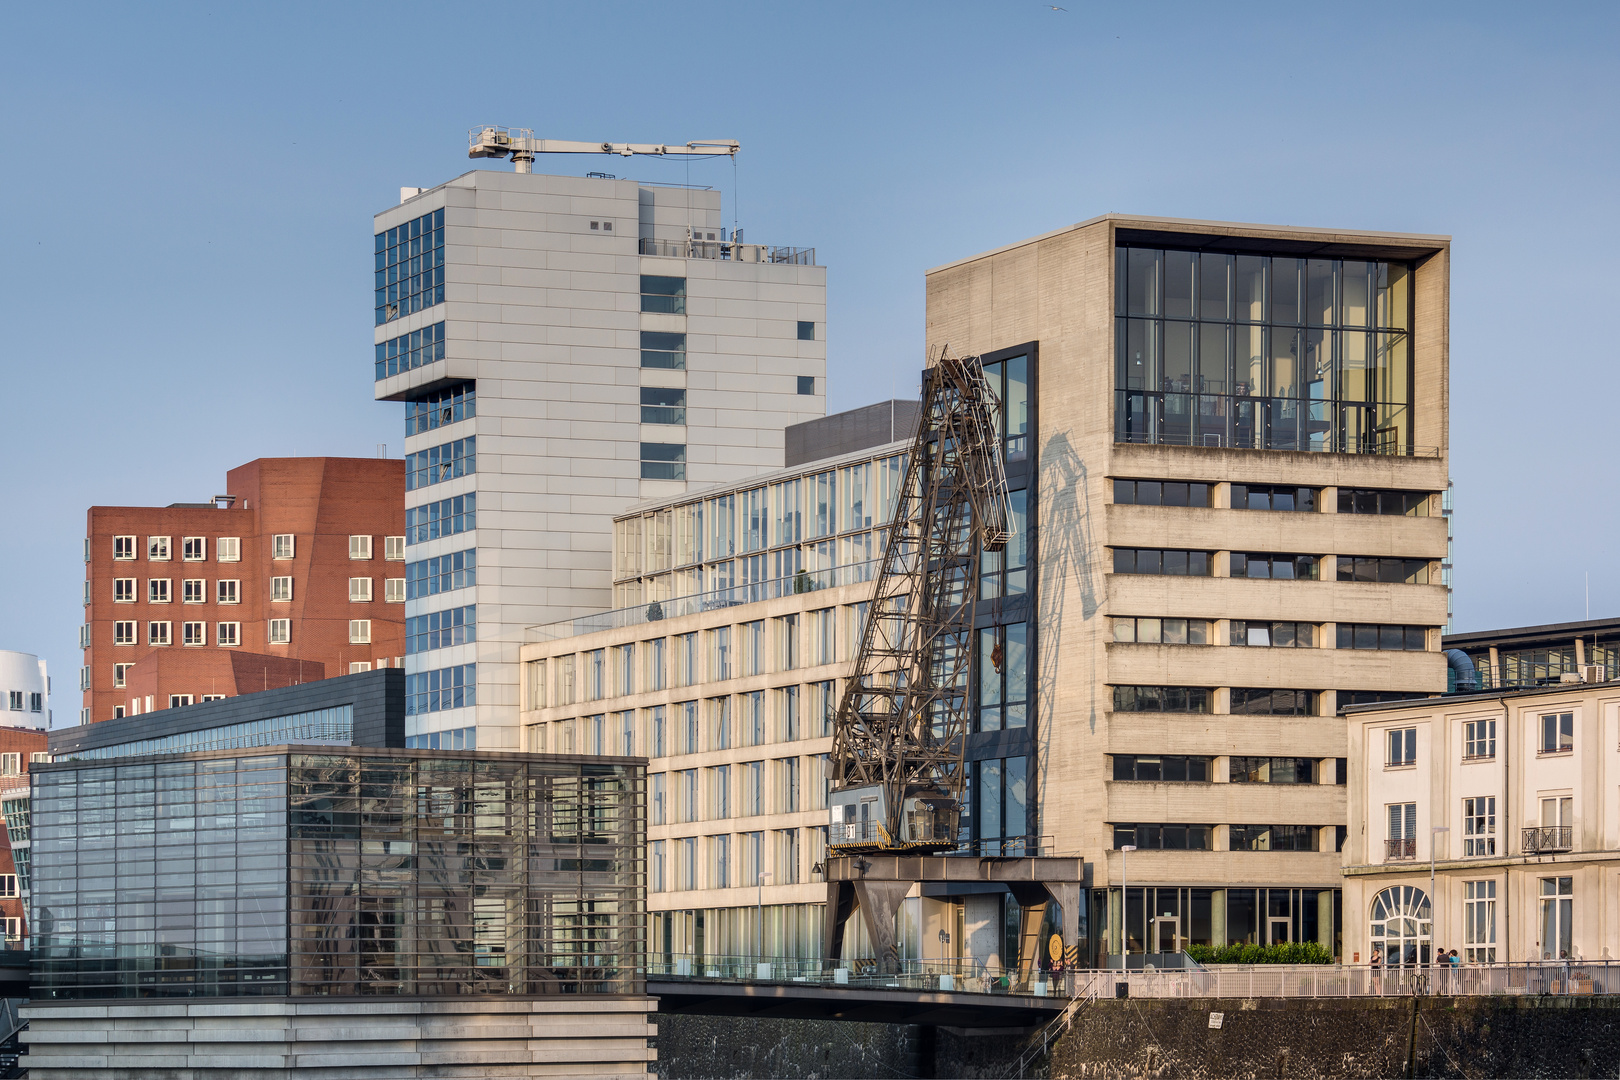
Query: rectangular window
[441, 689]
[1402, 743]
[280, 631]
[788, 726]
[1271, 770]
[807, 331]
[1283, 635]
[657, 738]
[443, 573]
[1557, 917]
[194, 591]
[359, 590]
[283, 545]
[1155, 631]
[1265, 701]
[11, 764]
[228, 549]
[1479, 740]
[720, 653]
[359, 631]
[440, 408]
[437, 464]
[1479, 922]
[753, 718]
[1272, 838]
[1557, 732]
[123, 548]
[1275, 567]
[1402, 503]
[8, 888]
[1389, 638]
[121, 674]
[1157, 837]
[1160, 493]
[1182, 699]
[806, 385]
[409, 351]
[786, 629]
[447, 517]
[359, 547]
[663, 405]
[410, 267]
[228, 591]
[194, 548]
[1392, 571]
[194, 633]
[228, 633]
[657, 675]
[124, 632]
[157, 590]
[663, 350]
[1272, 497]
[157, 548]
[753, 643]
[663, 461]
[719, 723]
[753, 777]
[1003, 676]
[624, 669]
[720, 872]
[1160, 561]
[1163, 768]
[595, 674]
[657, 878]
[124, 590]
[1479, 826]
[394, 548]
[394, 590]
[357, 666]
[686, 661]
[157, 633]
[281, 589]
[663, 295]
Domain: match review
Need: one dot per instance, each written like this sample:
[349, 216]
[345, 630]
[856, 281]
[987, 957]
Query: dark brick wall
[1442, 1037]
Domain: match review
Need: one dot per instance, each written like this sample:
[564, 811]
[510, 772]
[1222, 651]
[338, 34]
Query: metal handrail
[1539, 838]
[1400, 848]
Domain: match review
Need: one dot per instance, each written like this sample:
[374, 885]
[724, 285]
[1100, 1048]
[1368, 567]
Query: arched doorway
[1402, 926]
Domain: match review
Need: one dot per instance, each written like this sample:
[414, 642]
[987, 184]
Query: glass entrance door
[1279, 931]
[1166, 934]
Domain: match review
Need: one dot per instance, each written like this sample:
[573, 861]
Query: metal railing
[1366, 980]
[1400, 849]
[733, 596]
[1546, 838]
[728, 251]
[961, 976]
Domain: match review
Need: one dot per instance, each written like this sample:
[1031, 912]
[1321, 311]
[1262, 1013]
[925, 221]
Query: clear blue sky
[189, 190]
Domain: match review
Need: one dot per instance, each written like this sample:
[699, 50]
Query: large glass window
[441, 408]
[1010, 380]
[1167, 768]
[1164, 837]
[1159, 631]
[1263, 352]
[663, 350]
[1160, 493]
[410, 351]
[1161, 561]
[1557, 917]
[663, 405]
[1402, 926]
[1264, 701]
[666, 295]
[441, 629]
[1187, 699]
[1003, 676]
[1479, 922]
[410, 267]
[1375, 636]
[444, 462]
[454, 570]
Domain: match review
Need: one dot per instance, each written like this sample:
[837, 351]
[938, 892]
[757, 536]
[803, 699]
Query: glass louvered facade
[304, 872]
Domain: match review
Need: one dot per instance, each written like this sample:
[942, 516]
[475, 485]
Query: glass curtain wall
[1263, 352]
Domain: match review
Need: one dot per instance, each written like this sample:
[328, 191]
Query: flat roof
[1240, 235]
[1527, 634]
[1448, 700]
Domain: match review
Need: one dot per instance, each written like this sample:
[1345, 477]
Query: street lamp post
[1124, 905]
[1434, 901]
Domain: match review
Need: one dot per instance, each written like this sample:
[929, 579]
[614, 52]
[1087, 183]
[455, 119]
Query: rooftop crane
[521, 145]
[896, 763]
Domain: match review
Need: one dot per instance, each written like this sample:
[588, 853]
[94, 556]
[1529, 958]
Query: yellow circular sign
[1054, 948]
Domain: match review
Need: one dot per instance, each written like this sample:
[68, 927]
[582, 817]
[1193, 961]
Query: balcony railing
[1543, 839]
[728, 251]
[655, 610]
[1400, 848]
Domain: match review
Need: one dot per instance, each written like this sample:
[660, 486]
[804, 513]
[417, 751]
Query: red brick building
[301, 560]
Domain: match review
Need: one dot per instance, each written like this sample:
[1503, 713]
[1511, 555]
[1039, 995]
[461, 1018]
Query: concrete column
[1217, 917]
[879, 902]
[1324, 918]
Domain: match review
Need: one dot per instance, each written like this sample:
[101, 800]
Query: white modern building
[1487, 823]
[565, 347]
[25, 690]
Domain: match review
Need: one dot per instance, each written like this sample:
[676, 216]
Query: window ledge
[1566, 751]
[1401, 767]
[1470, 759]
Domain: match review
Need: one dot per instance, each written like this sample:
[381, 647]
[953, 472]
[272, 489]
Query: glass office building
[306, 871]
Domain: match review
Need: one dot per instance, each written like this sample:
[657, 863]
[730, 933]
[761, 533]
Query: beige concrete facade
[1520, 816]
[1058, 292]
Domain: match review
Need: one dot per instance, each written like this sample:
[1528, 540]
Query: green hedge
[1291, 952]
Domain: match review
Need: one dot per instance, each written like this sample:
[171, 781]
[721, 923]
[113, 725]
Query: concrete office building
[566, 346]
[300, 563]
[1511, 795]
[1227, 448]
[26, 688]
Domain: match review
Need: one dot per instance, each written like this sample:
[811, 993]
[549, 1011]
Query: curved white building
[25, 691]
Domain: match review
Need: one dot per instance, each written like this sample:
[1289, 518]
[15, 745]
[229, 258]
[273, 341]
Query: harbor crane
[520, 145]
[896, 762]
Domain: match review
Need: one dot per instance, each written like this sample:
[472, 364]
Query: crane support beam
[901, 727]
[521, 145]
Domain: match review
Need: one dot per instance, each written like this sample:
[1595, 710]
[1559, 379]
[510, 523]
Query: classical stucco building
[1511, 796]
[1227, 448]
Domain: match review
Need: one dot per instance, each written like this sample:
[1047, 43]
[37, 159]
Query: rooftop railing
[803, 581]
[728, 251]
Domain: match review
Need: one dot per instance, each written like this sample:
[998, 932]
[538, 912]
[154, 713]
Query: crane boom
[521, 145]
[896, 762]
